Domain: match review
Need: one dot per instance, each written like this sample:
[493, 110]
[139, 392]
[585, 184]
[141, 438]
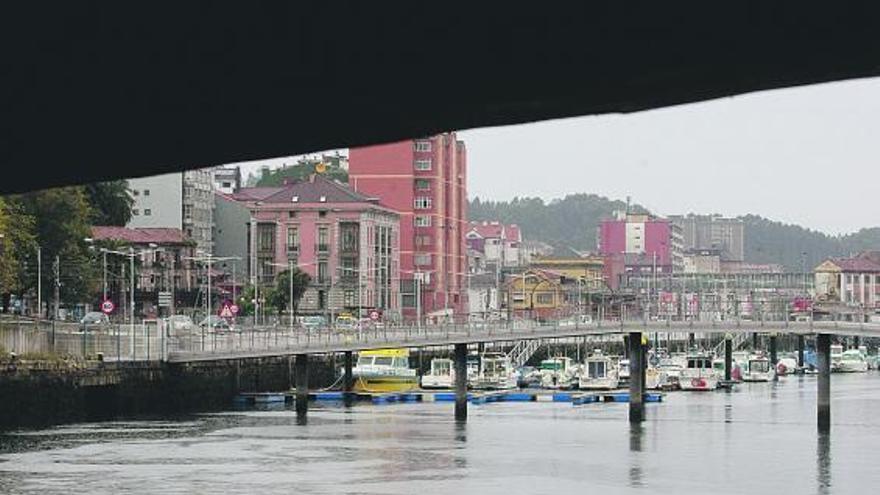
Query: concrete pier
[773, 356]
[800, 351]
[460, 382]
[728, 357]
[636, 378]
[823, 389]
[347, 379]
[302, 384]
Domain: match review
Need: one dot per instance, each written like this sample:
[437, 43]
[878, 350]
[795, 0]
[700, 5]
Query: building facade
[178, 201]
[424, 180]
[499, 243]
[850, 281]
[227, 179]
[347, 242]
[713, 232]
[648, 244]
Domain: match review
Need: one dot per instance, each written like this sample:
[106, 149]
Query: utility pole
[104, 255]
[39, 282]
[131, 316]
[56, 267]
[289, 276]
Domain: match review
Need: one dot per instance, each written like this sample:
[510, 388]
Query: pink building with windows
[346, 241]
[641, 243]
[425, 181]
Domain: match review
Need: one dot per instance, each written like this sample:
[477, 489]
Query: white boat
[442, 374]
[699, 374]
[496, 372]
[786, 365]
[623, 370]
[836, 356]
[558, 372]
[671, 369]
[759, 369]
[852, 361]
[655, 378]
[599, 373]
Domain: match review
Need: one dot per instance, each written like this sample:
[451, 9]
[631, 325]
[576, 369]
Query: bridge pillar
[691, 341]
[460, 382]
[823, 396]
[728, 357]
[800, 349]
[636, 378]
[773, 359]
[755, 341]
[302, 384]
[347, 381]
[856, 341]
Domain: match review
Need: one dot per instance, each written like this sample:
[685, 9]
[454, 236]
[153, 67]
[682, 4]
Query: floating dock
[576, 398]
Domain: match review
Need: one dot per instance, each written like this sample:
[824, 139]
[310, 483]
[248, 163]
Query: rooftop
[317, 189]
[143, 235]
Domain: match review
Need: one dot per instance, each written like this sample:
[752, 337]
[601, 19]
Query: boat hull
[380, 383]
[854, 367]
[698, 383]
[598, 383]
[436, 382]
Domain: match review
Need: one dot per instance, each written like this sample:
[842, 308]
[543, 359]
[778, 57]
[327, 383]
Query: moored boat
[495, 373]
[599, 373]
[558, 372]
[384, 370]
[759, 369]
[699, 373]
[442, 374]
[852, 361]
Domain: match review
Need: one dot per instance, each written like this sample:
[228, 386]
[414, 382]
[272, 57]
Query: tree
[110, 202]
[279, 295]
[17, 249]
[61, 221]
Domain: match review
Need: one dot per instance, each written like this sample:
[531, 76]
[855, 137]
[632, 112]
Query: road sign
[226, 311]
[374, 315]
[165, 299]
[234, 308]
[107, 306]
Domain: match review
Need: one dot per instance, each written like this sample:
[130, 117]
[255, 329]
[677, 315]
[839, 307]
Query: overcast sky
[804, 155]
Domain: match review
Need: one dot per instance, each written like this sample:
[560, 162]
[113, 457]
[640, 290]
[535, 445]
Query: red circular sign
[107, 306]
[374, 315]
[234, 308]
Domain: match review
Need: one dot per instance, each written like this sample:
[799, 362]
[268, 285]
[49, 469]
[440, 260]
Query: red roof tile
[862, 265]
[143, 235]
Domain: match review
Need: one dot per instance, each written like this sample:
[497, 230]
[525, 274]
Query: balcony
[292, 250]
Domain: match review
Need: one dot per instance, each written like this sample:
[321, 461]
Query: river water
[760, 438]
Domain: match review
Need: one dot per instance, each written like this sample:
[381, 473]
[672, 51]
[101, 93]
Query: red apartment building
[424, 180]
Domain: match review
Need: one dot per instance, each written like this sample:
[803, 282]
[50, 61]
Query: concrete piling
[728, 357]
[755, 341]
[460, 382]
[302, 384]
[823, 390]
[347, 379]
[773, 356]
[636, 378]
[800, 351]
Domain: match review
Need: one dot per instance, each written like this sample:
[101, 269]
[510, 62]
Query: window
[348, 299]
[135, 212]
[227, 184]
[423, 240]
[422, 146]
[292, 239]
[135, 192]
[350, 234]
[266, 237]
[544, 298]
[423, 260]
[422, 202]
[323, 240]
[423, 164]
[423, 220]
[146, 192]
[322, 272]
[291, 214]
[148, 212]
[423, 184]
[322, 213]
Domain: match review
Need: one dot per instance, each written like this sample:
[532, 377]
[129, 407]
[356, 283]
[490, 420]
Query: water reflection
[823, 463]
[636, 475]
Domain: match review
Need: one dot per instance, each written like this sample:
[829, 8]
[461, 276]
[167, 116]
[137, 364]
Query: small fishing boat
[558, 372]
[623, 370]
[699, 373]
[655, 378]
[836, 356]
[599, 373]
[384, 370]
[442, 374]
[852, 361]
[495, 373]
[671, 369]
[759, 369]
[787, 365]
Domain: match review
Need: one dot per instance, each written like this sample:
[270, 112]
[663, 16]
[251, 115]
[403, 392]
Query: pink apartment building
[346, 241]
[425, 181]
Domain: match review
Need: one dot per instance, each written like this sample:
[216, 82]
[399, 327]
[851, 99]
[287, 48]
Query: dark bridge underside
[105, 89]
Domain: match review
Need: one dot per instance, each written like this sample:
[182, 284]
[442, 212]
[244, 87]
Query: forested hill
[572, 222]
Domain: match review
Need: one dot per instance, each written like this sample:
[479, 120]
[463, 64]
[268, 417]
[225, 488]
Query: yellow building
[537, 294]
[588, 269]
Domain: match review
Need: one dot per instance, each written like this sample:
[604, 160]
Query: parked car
[179, 323]
[314, 322]
[94, 320]
[215, 322]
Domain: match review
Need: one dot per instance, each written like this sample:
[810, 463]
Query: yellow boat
[384, 370]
